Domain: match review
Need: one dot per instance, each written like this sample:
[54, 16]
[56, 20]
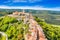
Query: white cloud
[7, 1]
[16, 1]
[32, 1]
[19, 0]
[29, 7]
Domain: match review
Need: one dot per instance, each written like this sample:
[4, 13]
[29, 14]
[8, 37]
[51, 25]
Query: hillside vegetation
[51, 32]
[14, 29]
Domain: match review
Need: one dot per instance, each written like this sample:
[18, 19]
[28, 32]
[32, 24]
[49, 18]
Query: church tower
[23, 11]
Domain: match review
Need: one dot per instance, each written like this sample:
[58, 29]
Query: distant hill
[30, 10]
[52, 17]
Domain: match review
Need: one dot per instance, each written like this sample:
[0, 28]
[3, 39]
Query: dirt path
[36, 31]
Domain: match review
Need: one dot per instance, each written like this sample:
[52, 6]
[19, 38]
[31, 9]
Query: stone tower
[23, 11]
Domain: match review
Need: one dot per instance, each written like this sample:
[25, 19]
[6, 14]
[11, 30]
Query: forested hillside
[13, 28]
[51, 32]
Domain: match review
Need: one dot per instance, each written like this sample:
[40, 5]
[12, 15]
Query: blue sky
[32, 4]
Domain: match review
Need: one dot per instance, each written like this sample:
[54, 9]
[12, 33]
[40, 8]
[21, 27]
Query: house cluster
[21, 16]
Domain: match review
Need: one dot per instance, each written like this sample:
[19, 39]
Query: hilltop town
[35, 29]
[25, 26]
